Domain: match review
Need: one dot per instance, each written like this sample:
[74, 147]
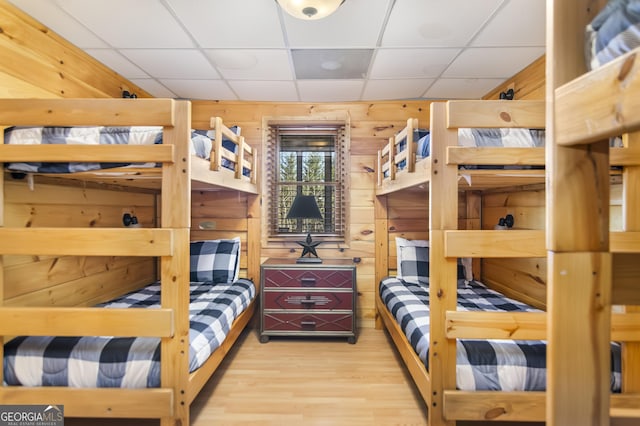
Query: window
[307, 160]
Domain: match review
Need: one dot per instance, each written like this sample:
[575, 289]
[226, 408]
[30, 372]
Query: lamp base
[308, 260]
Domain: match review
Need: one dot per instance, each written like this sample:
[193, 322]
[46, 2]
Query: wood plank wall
[72, 280]
[35, 62]
[372, 123]
[39, 63]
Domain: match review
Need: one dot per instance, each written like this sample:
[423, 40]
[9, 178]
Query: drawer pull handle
[308, 282]
[308, 324]
[308, 302]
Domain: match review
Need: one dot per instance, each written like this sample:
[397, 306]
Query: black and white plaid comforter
[201, 144]
[127, 362]
[508, 365]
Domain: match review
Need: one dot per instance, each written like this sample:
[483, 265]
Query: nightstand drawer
[304, 322]
[310, 300]
[308, 278]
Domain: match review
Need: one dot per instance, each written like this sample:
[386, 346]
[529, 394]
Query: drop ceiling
[250, 50]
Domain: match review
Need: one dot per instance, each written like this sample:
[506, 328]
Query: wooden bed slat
[490, 114]
[87, 153]
[42, 321]
[87, 112]
[525, 325]
[493, 405]
[93, 402]
[496, 325]
[599, 104]
[525, 406]
[486, 243]
[495, 156]
[624, 242]
[87, 241]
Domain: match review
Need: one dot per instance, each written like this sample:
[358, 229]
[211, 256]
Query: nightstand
[316, 299]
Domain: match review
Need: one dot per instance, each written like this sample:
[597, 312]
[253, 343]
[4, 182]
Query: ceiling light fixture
[310, 9]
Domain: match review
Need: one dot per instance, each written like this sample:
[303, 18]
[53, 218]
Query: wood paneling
[38, 280]
[43, 64]
[528, 84]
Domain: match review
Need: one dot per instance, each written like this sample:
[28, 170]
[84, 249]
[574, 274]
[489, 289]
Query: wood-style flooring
[303, 381]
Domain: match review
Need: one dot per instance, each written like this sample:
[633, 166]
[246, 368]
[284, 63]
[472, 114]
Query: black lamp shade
[304, 207]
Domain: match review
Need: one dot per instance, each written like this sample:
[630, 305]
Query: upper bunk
[494, 143]
[119, 142]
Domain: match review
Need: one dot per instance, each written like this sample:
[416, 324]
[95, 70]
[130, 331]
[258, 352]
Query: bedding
[507, 365]
[201, 144]
[612, 33]
[503, 137]
[126, 362]
[468, 137]
[413, 262]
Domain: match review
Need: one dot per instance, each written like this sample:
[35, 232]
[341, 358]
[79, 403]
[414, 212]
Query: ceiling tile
[66, 26]
[411, 63]
[331, 63]
[356, 24]
[153, 87]
[277, 91]
[463, 88]
[492, 62]
[251, 64]
[230, 49]
[231, 23]
[114, 60]
[172, 63]
[130, 24]
[436, 23]
[200, 89]
[396, 89]
[330, 90]
[519, 23]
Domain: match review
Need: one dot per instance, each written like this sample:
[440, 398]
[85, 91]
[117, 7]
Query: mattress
[126, 362]
[612, 33]
[201, 144]
[503, 137]
[499, 137]
[506, 365]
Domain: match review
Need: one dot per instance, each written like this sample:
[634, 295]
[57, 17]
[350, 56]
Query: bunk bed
[453, 387]
[196, 278]
[510, 144]
[450, 167]
[588, 105]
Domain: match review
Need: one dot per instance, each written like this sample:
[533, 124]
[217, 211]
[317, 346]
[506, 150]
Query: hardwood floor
[305, 381]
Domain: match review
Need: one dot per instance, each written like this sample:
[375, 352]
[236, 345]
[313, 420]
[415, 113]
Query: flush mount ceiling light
[310, 9]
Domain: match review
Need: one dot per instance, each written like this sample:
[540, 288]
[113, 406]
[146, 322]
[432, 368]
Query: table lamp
[306, 207]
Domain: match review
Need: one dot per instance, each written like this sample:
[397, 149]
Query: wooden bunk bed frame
[179, 174]
[441, 175]
[417, 172]
[584, 110]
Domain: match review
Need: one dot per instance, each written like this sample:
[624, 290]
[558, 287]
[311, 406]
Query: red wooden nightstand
[316, 299]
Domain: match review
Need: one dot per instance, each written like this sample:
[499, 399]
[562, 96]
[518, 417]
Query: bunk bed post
[381, 227]
[253, 237]
[392, 158]
[412, 124]
[577, 229]
[216, 154]
[443, 216]
[631, 222]
[176, 215]
[2, 267]
[240, 158]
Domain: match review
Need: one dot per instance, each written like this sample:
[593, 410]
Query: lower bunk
[119, 377]
[496, 379]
